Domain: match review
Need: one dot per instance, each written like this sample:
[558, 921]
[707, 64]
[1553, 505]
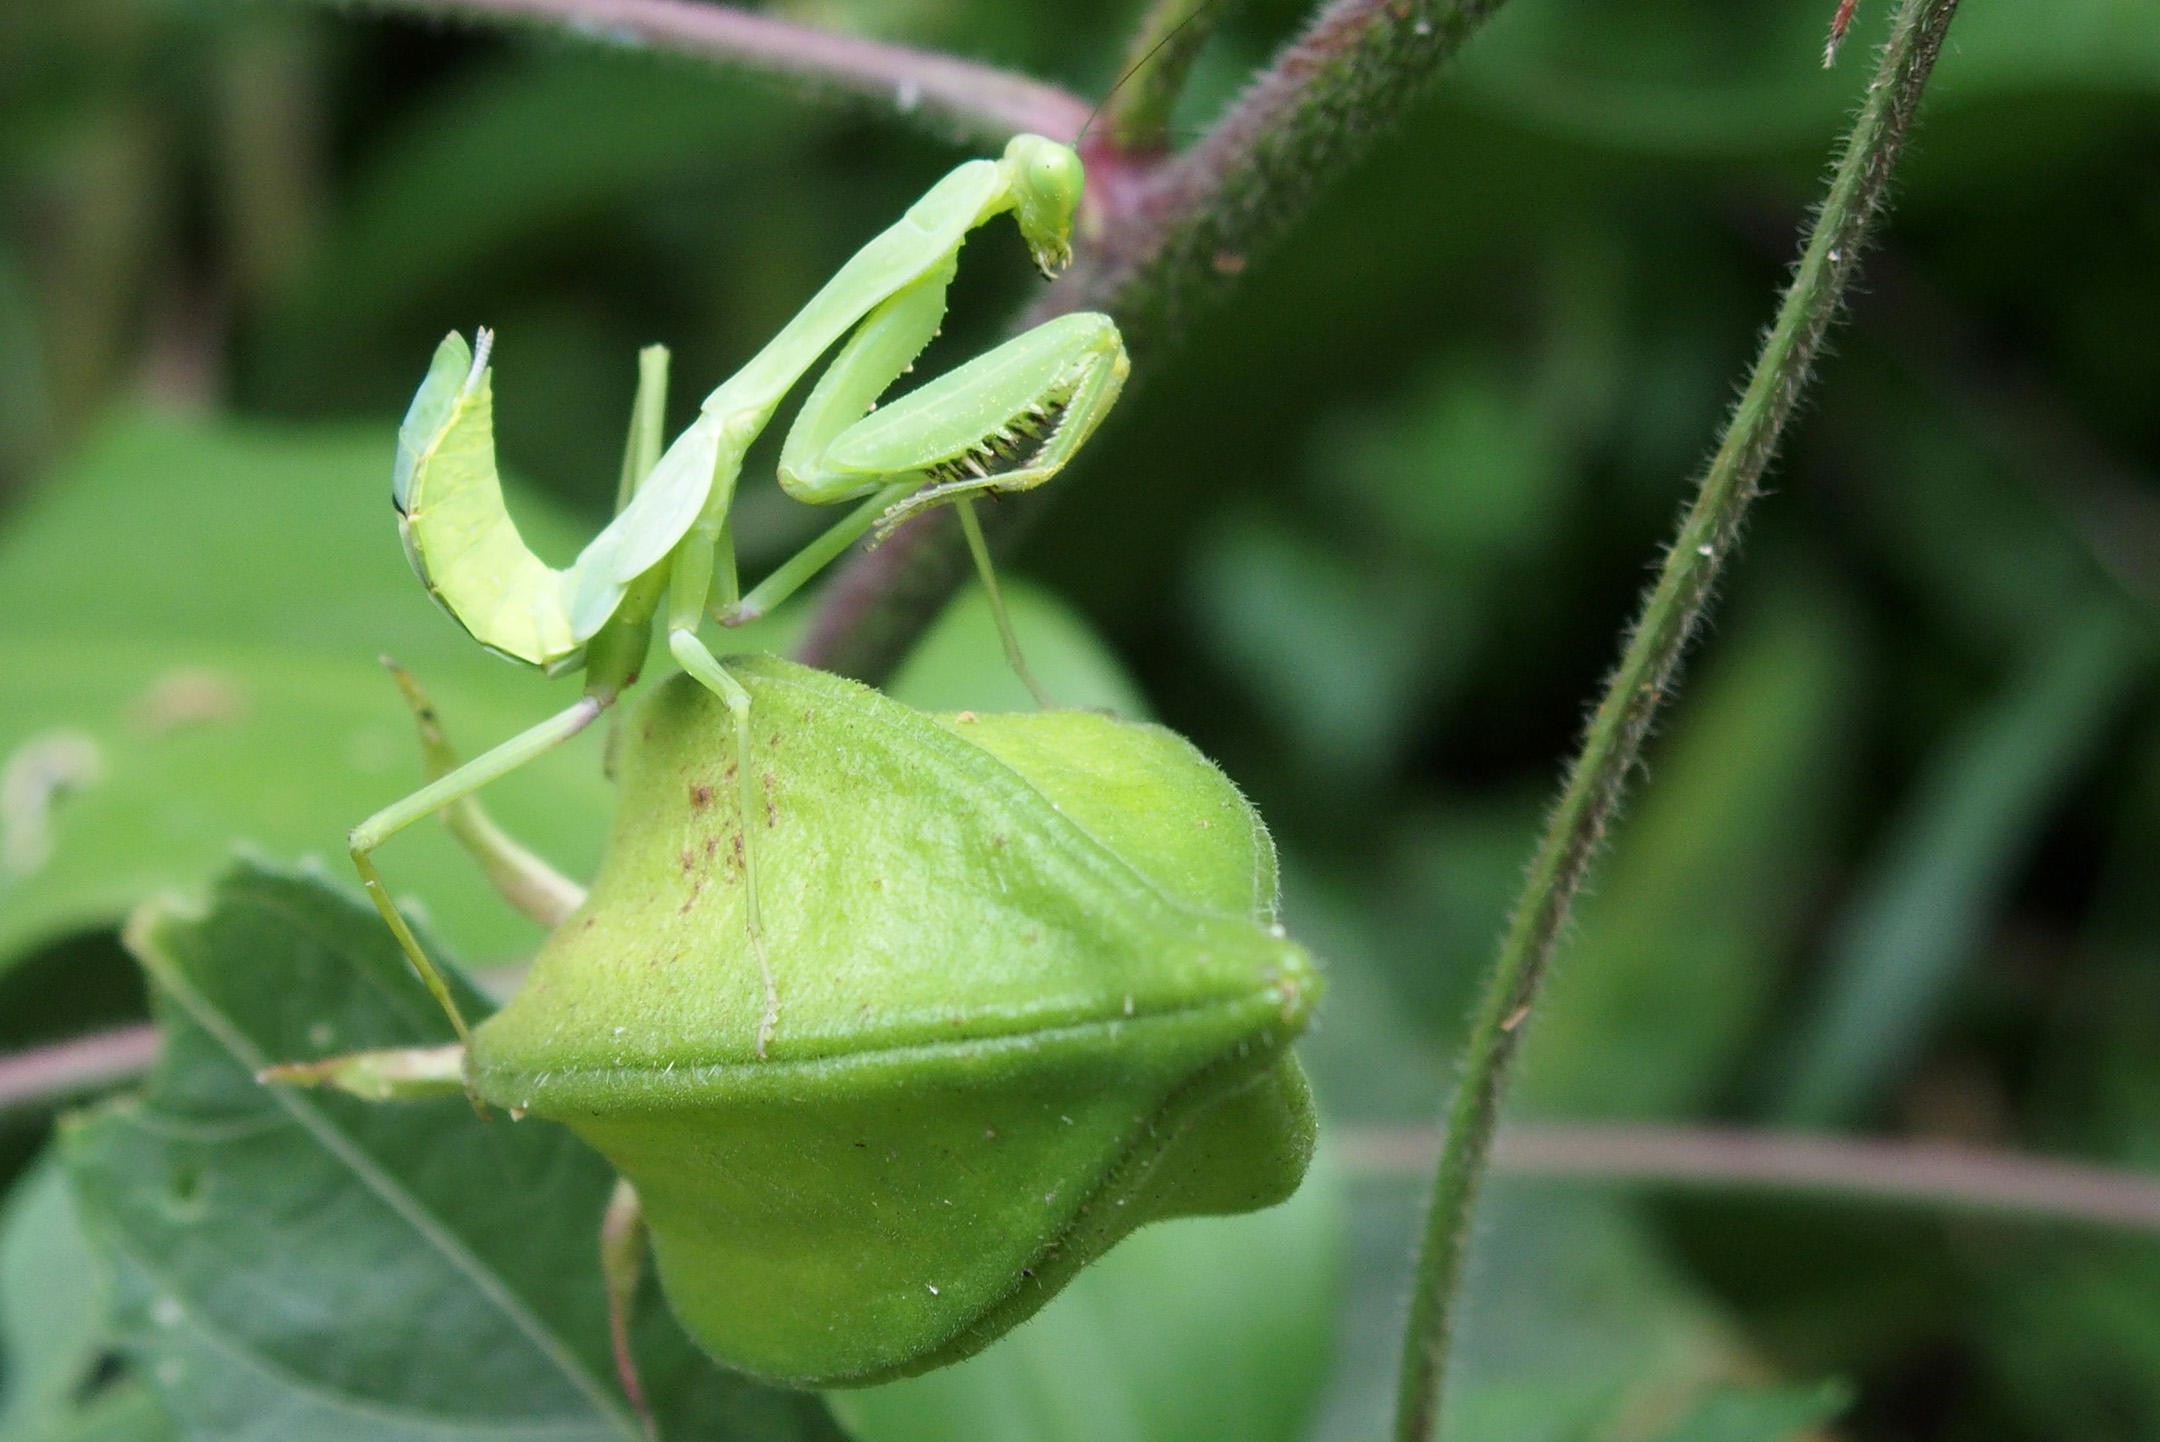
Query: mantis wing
[458, 535]
[662, 512]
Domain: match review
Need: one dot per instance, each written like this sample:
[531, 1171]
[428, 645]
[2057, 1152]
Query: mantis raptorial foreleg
[1006, 421]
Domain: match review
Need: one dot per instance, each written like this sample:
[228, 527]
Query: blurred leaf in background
[190, 617]
[54, 1330]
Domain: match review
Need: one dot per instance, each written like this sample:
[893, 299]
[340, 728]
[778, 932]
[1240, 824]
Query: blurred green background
[1366, 534]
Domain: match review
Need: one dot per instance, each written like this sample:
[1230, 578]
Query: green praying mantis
[1006, 421]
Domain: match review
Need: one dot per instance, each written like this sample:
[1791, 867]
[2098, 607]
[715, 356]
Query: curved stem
[981, 101]
[1670, 616]
[1348, 79]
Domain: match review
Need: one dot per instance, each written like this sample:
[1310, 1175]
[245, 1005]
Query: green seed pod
[1031, 996]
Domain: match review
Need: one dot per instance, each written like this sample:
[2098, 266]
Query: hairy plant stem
[1612, 746]
[1167, 242]
[980, 102]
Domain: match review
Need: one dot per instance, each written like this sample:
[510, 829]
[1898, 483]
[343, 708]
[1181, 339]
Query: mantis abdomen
[457, 532]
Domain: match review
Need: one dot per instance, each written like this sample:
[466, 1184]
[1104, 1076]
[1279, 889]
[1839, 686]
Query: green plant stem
[1612, 746]
[1171, 242]
[1161, 55]
[981, 102]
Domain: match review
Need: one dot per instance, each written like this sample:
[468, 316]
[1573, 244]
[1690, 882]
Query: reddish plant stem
[981, 102]
[1920, 1172]
[1927, 1173]
[71, 1068]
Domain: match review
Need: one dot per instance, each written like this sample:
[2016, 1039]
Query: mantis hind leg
[519, 876]
[433, 797]
[691, 655]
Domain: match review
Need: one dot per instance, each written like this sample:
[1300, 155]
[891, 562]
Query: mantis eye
[1031, 996]
[1055, 171]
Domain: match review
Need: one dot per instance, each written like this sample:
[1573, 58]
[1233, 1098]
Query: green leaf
[51, 1305]
[1767, 1414]
[1693, 917]
[202, 747]
[1646, 79]
[1685, 79]
[523, 151]
[1573, 1321]
[1343, 653]
[2077, 45]
[25, 424]
[1242, 1302]
[294, 1264]
[190, 617]
[1920, 913]
[171, 531]
[53, 1336]
[2073, 1334]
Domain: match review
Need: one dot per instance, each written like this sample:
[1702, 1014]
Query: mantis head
[1046, 180]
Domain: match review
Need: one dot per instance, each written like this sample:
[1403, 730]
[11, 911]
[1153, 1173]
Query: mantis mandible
[1006, 421]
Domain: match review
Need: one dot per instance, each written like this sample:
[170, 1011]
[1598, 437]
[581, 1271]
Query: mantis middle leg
[431, 798]
[519, 877]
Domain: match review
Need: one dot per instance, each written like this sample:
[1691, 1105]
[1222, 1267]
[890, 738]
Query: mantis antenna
[1140, 64]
